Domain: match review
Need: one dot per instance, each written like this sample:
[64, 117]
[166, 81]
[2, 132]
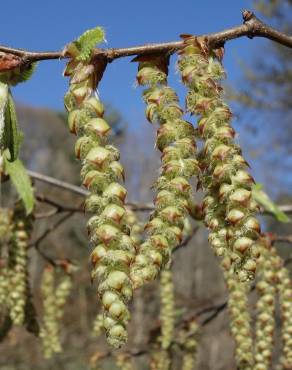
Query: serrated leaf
[4, 93]
[87, 41]
[12, 134]
[21, 182]
[265, 201]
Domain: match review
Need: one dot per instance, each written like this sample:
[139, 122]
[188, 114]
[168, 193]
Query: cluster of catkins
[54, 299]
[102, 174]
[175, 139]
[228, 205]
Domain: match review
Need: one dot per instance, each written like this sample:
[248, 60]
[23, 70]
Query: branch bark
[251, 27]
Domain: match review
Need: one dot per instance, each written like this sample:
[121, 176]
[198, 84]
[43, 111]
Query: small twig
[251, 27]
[58, 206]
[42, 215]
[281, 238]
[58, 183]
[82, 192]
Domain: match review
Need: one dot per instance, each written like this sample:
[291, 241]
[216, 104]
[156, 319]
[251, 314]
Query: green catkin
[167, 308]
[6, 227]
[54, 300]
[188, 341]
[175, 139]
[101, 174]
[278, 277]
[285, 296]
[18, 264]
[228, 206]
[161, 357]
[240, 320]
[4, 285]
[265, 306]
[49, 332]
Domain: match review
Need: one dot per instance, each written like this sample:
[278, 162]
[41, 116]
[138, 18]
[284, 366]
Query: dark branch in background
[80, 191]
[251, 27]
[36, 244]
[141, 207]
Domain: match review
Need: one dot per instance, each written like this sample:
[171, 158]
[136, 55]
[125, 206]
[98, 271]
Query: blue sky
[49, 25]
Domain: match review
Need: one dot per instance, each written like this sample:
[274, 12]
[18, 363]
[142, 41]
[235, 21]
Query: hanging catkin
[54, 299]
[101, 174]
[18, 264]
[228, 206]
[188, 341]
[175, 139]
[240, 320]
[265, 306]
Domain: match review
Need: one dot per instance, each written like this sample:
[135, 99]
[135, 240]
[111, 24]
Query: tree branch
[251, 27]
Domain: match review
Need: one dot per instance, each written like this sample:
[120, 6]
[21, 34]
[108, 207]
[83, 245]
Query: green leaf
[12, 134]
[87, 41]
[264, 200]
[21, 181]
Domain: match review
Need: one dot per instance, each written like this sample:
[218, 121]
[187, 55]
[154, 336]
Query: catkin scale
[175, 140]
[101, 174]
[224, 175]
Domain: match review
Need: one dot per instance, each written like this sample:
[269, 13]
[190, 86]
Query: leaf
[264, 200]
[87, 41]
[3, 103]
[21, 181]
[12, 134]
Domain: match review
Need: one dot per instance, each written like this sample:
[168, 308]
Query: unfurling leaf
[264, 200]
[82, 48]
[21, 181]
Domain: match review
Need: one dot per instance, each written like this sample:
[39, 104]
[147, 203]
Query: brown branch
[251, 27]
